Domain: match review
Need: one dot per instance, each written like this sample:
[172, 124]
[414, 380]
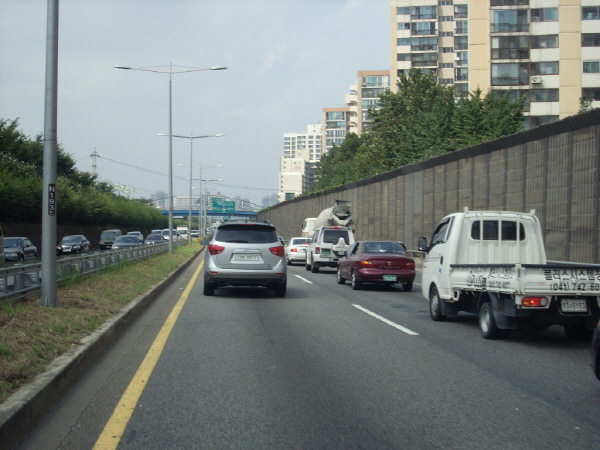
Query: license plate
[303, 250]
[389, 278]
[325, 251]
[573, 305]
[246, 258]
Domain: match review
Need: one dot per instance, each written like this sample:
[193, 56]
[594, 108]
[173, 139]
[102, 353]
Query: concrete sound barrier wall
[554, 169]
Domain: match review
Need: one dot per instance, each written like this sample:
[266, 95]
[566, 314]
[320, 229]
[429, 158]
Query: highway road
[325, 367]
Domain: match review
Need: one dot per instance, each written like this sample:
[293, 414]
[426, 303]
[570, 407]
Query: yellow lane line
[115, 427]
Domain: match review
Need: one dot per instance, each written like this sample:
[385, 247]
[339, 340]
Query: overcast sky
[286, 61]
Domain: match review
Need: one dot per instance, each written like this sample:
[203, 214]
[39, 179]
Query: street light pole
[205, 217]
[170, 72]
[191, 137]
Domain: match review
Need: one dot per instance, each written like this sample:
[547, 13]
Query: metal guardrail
[21, 280]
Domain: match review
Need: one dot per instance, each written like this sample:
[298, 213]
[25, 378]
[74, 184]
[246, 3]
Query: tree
[338, 166]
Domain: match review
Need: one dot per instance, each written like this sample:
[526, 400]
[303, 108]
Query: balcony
[510, 28]
[428, 63]
[510, 81]
[510, 53]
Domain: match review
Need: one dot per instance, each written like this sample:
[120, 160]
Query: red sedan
[382, 262]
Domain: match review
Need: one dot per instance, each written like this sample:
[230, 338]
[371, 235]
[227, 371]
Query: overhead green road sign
[223, 206]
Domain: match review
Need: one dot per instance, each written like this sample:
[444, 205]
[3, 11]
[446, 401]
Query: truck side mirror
[423, 244]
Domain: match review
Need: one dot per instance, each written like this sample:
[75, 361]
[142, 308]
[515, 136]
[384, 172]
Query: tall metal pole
[190, 215]
[204, 205]
[49, 235]
[170, 162]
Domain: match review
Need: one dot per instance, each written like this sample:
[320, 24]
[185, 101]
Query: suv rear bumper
[222, 278]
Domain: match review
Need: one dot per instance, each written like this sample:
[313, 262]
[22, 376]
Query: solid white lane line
[389, 322]
[304, 279]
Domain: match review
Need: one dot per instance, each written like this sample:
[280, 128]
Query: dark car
[596, 351]
[76, 243]
[245, 254]
[19, 249]
[152, 239]
[126, 241]
[107, 238]
[381, 262]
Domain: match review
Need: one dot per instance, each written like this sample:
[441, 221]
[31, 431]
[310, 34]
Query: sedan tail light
[215, 249]
[278, 251]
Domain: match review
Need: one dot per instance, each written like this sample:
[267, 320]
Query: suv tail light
[317, 250]
[277, 251]
[215, 249]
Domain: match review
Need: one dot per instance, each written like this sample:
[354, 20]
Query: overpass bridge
[195, 212]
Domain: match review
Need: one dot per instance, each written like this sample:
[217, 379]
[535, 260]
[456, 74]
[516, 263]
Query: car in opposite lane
[296, 248]
[152, 239]
[380, 262]
[245, 254]
[126, 241]
[19, 249]
[76, 243]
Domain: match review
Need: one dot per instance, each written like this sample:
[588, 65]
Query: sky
[286, 60]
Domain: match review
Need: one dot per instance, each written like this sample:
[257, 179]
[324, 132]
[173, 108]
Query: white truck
[493, 263]
[339, 214]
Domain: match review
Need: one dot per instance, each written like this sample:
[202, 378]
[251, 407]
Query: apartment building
[548, 50]
[300, 153]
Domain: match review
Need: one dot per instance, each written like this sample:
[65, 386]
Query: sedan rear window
[301, 241]
[246, 234]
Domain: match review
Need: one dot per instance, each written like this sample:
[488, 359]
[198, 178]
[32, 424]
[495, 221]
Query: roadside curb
[22, 410]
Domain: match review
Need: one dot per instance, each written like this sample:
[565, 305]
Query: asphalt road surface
[325, 367]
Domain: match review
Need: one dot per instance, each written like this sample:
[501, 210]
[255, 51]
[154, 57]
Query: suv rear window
[333, 236]
[247, 234]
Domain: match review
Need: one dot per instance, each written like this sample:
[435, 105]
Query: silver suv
[245, 254]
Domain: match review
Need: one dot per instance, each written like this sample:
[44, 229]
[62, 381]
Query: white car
[296, 249]
[165, 233]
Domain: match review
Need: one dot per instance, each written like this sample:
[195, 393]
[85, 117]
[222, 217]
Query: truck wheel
[435, 306]
[314, 268]
[487, 323]
[356, 285]
[578, 331]
[307, 264]
[340, 278]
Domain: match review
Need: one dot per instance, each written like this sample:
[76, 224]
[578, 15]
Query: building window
[514, 74]
[461, 42]
[462, 74]
[544, 95]
[591, 67]
[404, 26]
[462, 59]
[403, 56]
[446, 19]
[510, 21]
[446, 81]
[446, 49]
[428, 43]
[590, 39]
[420, 28]
[462, 27]
[548, 41]
[591, 94]
[444, 2]
[423, 12]
[461, 87]
[403, 41]
[460, 12]
[446, 34]
[544, 14]
[424, 59]
[544, 68]
[509, 2]
[446, 65]
[536, 121]
[590, 13]
[403, 10]
[510, 47]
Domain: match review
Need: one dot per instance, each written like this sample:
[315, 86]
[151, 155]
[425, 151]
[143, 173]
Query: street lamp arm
[170, 71]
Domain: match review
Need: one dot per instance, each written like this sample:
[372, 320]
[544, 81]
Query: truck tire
[314, 268]
[487, 323]
[578, 331]
[340, 279]
[435, 306]
[307, 266]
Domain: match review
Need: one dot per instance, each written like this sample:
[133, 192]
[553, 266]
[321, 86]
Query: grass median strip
[32, 336]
